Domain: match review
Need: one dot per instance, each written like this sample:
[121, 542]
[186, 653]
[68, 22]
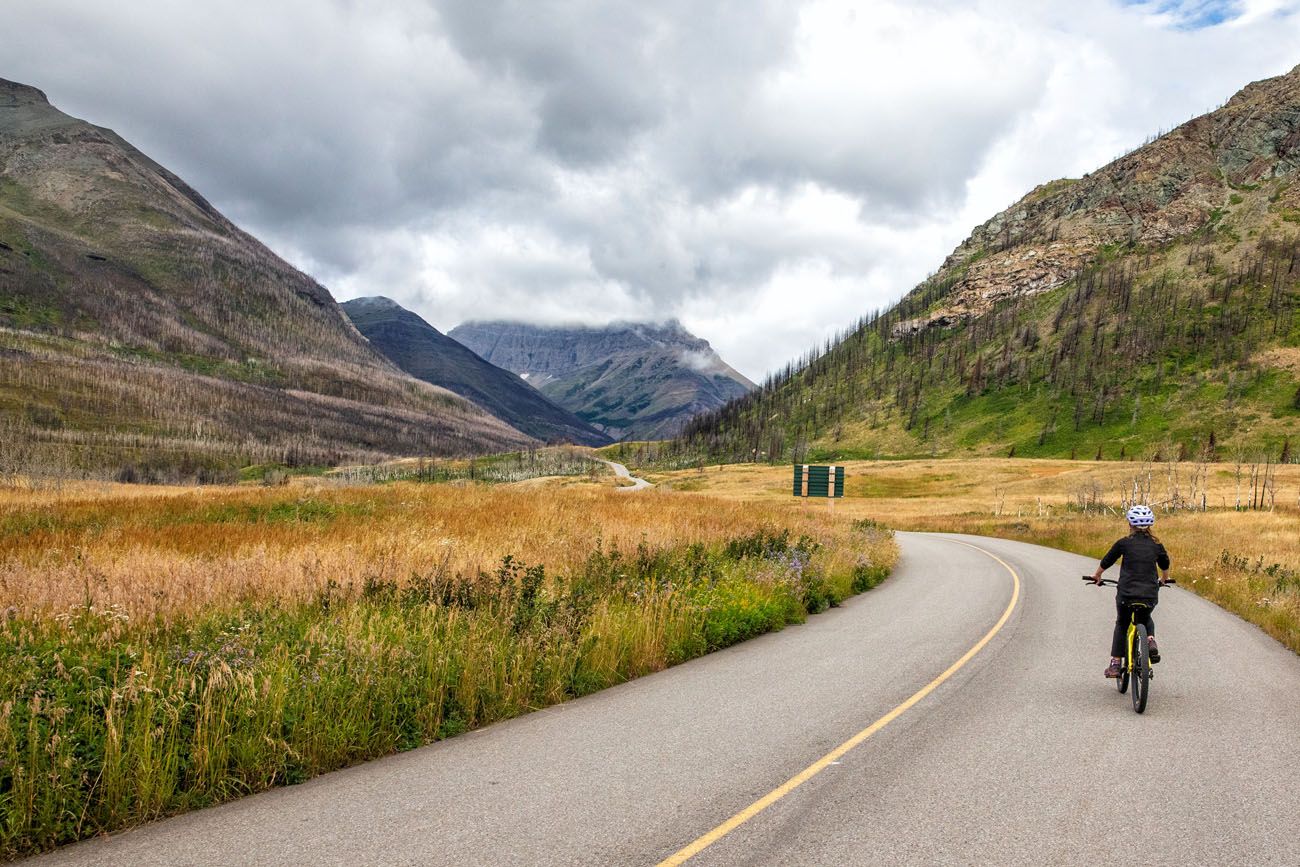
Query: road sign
[811, 480]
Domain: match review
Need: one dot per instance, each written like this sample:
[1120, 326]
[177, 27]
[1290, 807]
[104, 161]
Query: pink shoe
[1114, 669]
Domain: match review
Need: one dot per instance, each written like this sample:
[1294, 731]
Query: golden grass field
[165, 551]
[1248, 561]
[160, 551]
[168, 648]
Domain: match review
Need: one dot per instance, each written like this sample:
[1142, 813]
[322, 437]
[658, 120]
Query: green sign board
[811, 480]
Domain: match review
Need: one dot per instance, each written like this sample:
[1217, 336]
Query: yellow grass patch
[167, 648]
[154, 551]
[1280, 358]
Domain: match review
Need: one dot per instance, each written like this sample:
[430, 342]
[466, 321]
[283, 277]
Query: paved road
[1025, 755]
[623, 473]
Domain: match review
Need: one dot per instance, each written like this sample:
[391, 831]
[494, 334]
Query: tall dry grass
[162, 650]
[154, 554]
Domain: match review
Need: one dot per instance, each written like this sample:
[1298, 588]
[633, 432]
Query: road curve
[1024, 755]
[623, 473]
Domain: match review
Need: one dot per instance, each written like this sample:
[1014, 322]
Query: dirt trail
[622, 472]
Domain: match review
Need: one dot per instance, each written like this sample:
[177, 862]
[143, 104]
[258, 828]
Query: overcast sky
[765, 171]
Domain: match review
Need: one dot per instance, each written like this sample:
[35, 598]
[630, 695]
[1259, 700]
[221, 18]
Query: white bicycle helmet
[1141, 516]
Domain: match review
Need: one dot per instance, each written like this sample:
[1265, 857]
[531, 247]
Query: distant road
[623, 473]
[1025, 755]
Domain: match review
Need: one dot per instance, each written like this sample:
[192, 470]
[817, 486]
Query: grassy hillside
[139, 328]
[1150, 309]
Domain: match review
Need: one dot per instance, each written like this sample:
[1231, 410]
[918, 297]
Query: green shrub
[106, 722]
[866, 576]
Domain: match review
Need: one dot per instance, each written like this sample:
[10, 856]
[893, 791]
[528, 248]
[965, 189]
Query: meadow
[167, 648]
[1232, 529]
[163, 649]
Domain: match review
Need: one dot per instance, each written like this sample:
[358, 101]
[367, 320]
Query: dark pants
[1124, 613]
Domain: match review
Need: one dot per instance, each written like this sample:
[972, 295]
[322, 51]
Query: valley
[259, 629]
[252, 535]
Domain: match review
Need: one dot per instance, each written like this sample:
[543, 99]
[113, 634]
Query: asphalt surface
[1025, 755]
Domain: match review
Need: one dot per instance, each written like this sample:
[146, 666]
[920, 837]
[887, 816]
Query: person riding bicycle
[1140, 553]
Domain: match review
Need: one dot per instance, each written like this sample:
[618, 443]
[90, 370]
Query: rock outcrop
[1161, 192]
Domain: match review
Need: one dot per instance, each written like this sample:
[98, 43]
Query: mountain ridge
[631, 380]
[421, 350]
[1155, 194]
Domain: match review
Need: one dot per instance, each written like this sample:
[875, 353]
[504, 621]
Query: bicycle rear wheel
[1141, 669]
[1121, 682]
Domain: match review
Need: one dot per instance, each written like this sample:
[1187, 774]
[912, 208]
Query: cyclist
[1140, 553]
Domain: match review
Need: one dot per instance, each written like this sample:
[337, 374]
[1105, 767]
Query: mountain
[630, 380]
[1149, 309]
[138, 326]
[426, 353]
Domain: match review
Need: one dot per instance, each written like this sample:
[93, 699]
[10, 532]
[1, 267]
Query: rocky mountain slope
[427, 354]
[140, 326]
[1160, 193]
[630, 380]
[1149, 308]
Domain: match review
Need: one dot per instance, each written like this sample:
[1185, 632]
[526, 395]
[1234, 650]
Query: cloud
[701, 362]
[585, 68]
[766, 171]
[863, 107]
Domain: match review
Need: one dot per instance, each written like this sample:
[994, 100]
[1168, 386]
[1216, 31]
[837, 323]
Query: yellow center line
[702, 843]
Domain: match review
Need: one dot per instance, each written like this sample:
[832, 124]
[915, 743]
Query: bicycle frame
[1130, 645]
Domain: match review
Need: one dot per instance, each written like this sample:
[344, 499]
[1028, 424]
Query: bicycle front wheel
[1141, 669]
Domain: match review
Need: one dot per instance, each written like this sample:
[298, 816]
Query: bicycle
[1137, 663]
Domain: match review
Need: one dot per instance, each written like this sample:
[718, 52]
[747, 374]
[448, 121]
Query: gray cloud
[583, 65]
[769, 170]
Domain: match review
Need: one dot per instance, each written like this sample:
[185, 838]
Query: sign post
[812, 480]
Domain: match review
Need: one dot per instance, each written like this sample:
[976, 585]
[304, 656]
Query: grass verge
[164, 652]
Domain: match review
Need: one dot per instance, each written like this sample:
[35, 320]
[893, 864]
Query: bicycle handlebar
[1115, 583]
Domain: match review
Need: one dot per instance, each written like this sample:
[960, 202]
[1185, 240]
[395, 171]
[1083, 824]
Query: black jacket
[1138, 579]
